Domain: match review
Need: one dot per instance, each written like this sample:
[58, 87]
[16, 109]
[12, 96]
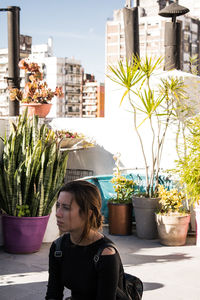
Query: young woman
[79, 217]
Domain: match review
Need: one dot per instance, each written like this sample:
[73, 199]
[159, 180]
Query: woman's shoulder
[106, 246]
[60, 241]
[108, 254]
[107, 241]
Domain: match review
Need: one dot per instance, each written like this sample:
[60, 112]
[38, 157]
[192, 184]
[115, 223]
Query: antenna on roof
[128, 3]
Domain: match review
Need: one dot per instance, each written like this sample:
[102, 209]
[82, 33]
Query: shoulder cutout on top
[108, 251]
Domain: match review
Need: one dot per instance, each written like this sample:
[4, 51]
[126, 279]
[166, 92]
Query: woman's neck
[92, 237]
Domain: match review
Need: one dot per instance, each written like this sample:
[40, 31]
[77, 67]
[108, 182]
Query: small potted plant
[120, 206]
[36, 94]
[172, 217]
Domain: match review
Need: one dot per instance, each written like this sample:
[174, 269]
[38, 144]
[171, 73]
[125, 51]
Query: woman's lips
[59, 223]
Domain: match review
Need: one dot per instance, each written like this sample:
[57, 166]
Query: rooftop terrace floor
[167, 272]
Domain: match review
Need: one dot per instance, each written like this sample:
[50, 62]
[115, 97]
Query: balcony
[74, 92]
[73, 101]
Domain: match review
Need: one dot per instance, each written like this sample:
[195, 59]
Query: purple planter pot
[23, 234]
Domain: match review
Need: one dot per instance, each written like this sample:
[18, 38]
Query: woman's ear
[90, 212]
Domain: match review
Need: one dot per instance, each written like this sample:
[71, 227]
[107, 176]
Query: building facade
[25, 51]
[93, 99]
[64, 72]
[152, 34]
[193, 5]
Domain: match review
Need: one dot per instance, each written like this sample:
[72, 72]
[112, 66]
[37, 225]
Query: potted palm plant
[120, 207]
[172, 217]
[157, 105]
[32, 170]
[36, 94]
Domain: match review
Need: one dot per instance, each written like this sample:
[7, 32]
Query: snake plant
[32, 168]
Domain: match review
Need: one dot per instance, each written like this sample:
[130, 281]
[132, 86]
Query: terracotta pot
[172, 229]
[120, 218]
[144, 209]
[40, 109]
[23, 234]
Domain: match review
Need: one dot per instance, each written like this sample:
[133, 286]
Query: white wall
[115, 133]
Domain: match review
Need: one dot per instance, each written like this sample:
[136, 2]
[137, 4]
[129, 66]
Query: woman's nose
[59, 212]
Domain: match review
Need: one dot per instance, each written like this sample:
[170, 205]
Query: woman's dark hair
[88, 197]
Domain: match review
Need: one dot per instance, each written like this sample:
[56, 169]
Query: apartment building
[193, 5]
[73, 87]
[93, 99]
[65, 72]
[25, 50]
[151, 34]
[3, 82]
[152, 7]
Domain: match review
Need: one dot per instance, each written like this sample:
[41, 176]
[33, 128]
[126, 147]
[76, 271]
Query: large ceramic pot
[120, 218]
[39, 109]
[23, 234]
[172, 229]
[144, 209]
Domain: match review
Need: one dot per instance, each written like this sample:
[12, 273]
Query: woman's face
[67, 214]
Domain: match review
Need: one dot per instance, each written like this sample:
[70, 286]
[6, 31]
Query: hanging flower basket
[70, 142]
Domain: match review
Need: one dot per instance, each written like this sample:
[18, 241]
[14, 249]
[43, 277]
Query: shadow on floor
[149, 286]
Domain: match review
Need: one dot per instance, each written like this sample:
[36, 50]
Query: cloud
[91, 30]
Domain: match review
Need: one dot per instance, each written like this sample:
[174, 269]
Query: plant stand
[172, 229]
[144, 209]
[120, 218]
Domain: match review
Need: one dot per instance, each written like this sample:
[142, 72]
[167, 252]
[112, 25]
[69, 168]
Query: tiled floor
[167, 272]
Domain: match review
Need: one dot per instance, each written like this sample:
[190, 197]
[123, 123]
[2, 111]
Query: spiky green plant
[155, 104]
[32, 168]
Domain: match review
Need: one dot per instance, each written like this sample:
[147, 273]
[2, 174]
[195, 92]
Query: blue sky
[77, 27]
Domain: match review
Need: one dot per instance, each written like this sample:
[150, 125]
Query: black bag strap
[58, 251]
[120, 293]
[100, 250]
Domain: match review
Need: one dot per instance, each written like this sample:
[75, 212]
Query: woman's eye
[66, 207]
[58, 205]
